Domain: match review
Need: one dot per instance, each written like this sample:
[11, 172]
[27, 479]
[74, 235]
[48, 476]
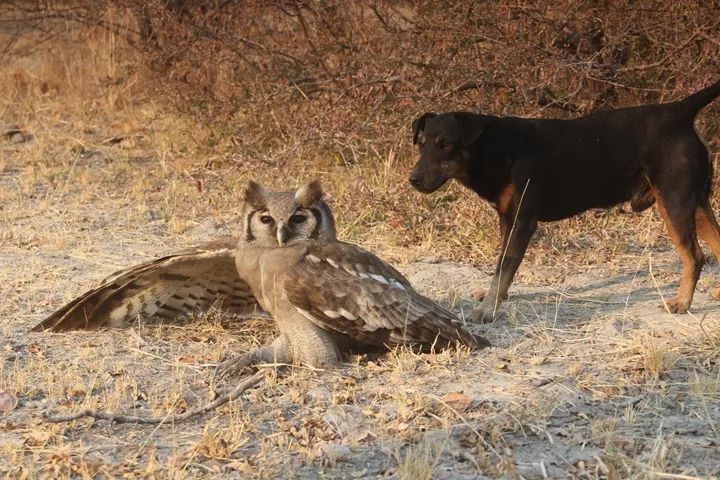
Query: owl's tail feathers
[452, 331]
[171, 288]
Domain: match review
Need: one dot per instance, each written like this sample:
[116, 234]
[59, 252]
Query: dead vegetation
[128, 128]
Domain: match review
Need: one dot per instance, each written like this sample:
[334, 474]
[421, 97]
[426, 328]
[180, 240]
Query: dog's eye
[266, 219]
[444, 145]
[298, 219]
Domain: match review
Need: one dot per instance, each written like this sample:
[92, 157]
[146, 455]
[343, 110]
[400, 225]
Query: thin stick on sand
[119, 418]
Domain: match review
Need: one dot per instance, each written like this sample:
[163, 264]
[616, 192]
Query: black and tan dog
[545, 170]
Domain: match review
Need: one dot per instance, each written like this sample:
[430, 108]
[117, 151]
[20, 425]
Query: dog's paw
[677, 305]
[480, 315]
[715, 293]
[481, 296]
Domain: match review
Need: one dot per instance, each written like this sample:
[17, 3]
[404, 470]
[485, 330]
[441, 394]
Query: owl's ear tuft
[255, 195]
[309, 194]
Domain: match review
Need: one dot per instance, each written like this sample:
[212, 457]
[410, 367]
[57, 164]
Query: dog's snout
[415, 179]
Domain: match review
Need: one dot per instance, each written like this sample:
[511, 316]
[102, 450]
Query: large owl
[173, 287]
[328, 297]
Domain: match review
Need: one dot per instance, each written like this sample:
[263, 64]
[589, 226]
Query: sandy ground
[588, 378]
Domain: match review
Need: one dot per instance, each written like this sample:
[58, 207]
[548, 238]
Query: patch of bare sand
[589, 378]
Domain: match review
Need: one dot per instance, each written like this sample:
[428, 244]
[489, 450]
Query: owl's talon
[232, 365]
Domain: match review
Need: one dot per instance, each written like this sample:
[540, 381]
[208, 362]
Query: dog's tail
[698, 100]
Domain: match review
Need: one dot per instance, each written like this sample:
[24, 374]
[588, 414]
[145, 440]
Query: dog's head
[444, 141]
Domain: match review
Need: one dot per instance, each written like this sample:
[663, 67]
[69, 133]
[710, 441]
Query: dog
[543, 170]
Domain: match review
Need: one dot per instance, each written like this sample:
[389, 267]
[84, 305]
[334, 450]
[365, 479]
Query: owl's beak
[282, 233]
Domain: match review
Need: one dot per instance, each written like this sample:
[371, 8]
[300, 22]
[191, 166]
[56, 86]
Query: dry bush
[343, 80]
[281, 90]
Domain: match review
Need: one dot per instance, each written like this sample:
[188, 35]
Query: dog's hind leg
[678, 212]
[709, 230]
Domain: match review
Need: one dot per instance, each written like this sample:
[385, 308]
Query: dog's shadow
[628, 293]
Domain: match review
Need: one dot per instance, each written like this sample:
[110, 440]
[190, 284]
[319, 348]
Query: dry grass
[589, 378]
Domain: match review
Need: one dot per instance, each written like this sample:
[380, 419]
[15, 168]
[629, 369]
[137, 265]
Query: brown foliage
[289, 91]
[349, 76]
[342, 79]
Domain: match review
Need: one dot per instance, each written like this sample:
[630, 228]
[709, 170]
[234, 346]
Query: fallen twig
[667, 57]
[474, 84]
[546, 100]
[119, 418]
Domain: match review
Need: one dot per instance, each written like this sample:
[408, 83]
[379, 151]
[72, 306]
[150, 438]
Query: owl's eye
[266, 219]
[298, 219]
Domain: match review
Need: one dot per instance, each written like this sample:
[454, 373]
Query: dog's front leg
[517, 230]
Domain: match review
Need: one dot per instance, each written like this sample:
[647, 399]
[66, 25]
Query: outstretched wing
[170, 287]
[345, 289]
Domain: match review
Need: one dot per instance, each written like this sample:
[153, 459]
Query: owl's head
[278, 219]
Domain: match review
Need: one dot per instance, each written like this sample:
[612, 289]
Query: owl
[173, 287]
[328, 297]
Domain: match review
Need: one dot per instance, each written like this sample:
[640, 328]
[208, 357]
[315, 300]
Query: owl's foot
[234, 365]
[276, 352]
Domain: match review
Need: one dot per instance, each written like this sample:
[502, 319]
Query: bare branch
[120, 418]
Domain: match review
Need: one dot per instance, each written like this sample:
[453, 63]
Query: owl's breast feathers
[344, 289]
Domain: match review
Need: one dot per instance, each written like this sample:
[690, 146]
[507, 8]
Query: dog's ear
[418, 125]
[471, 126]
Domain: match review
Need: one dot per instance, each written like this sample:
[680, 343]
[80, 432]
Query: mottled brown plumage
[347, 290]
[329, 298]
[174, 287]
[169, 288]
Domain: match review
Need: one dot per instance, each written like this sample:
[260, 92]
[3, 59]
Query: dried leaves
[458, 401]
[8, 402]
